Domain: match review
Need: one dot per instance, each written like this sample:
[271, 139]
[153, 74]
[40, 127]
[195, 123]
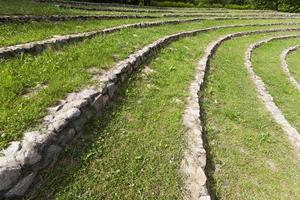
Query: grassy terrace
[283, 92]
[135, 149]
[250, 153]
[65, 71]
[293, 62]
[134, 152]
[11, 34]
[25, 7]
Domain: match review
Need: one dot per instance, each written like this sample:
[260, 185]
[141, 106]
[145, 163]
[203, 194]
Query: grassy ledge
[16, 33]
[135, 150]
[285, 95]
[65, 71]
[25, 7]
[242, 135]
[294, 63]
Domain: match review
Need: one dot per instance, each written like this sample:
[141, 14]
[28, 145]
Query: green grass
[294, 64]
[16, 33]
[64, 71]
[29, 7]
[135, 150]
[285, 95]
[251, 155]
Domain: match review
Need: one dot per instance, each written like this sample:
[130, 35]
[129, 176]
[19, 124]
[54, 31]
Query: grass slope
[294, 63]
[267, 65]
[250, 156]
[28, 7]
[65, 71]
[134, 151]
[16, 33]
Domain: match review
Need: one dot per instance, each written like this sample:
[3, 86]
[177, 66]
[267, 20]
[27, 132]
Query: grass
[64, 71]
[293, 62]
[11, 34]
[135, 150]
[28, 7]
[15, 33]
[250, 156]
[285, 95]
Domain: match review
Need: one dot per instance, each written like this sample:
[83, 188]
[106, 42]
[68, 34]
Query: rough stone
[31, 137]
[68, 115]
[88, 94]
[51, 155]
[78, 103]
[79, 124]
[21, 187]
[28, 155]
[111, 89]
[10, 171]
[12, 149]
[66, 136]
[58, 125]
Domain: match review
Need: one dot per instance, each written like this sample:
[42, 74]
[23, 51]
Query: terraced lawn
[285, 95]
[24, 7]
[293, 63]
[20, 111]
[250, 155]
[191, 123]
[141, 136]
[15, 33]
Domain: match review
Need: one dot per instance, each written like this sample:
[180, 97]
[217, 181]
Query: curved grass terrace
[19, 112]
[141, 132]
[135, 148]
[11, 34]
[284, 93]
[293, 64]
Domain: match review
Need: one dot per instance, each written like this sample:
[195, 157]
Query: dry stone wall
[23, 160]
[28, 18]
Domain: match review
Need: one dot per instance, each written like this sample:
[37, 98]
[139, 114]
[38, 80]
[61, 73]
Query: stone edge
[194, 162]
[22, 160]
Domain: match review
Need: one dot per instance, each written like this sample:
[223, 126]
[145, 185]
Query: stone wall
[22, 160]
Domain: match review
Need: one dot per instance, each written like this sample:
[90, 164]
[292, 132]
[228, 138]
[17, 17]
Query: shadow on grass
[210, 164]
[78, 153]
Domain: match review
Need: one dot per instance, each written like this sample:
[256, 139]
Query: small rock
[21, 187]
[31, 137]
[10, 171]
[58, 125]
[205, 198]
[28, 155]
[68, 115]
[66, 136]
[51, 155]
[88, 94]
[54, 109]
[79, 124]
[79, 103]
[147, 70]
[12, 149]
[111, 89]
[95, 71]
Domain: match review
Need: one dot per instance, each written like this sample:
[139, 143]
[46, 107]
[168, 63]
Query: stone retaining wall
[39, 46]
[28, 18]
[285, 67]
[194, 161]
[21, 161]
[289, 130]
[66, 6]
